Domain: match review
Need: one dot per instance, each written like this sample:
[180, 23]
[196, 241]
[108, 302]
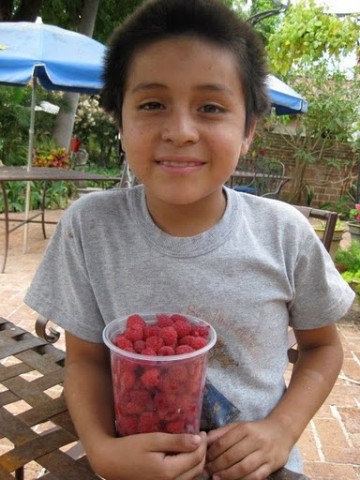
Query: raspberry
[151, 377]
[200, 331]
[127, 364]
[122, 342]
[179, 372]
[163, 400]
[134, 334]
[128, 380]
[135, 321]
[148, 351]
[187, 340]
[148, 422]
[177, 426]
[139, 346]
[163, 320]
[169, 335]
[142, 398]
[133, 408]
[151, 331]
[128, 425]
[182, 327]
[169, 384]
[155, 343]
[176, 317]
[198, 342]
[194, 342]
[180, 349]
[166, 350]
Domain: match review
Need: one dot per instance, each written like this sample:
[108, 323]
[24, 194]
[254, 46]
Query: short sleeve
[321, 294]
[61, 289]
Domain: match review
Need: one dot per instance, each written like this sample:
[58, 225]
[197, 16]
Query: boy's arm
[313, 377]
[88, 392]
[264, 446]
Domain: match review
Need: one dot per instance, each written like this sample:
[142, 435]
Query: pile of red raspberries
[169, 335]
[153, 395]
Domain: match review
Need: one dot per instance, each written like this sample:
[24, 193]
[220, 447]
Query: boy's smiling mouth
[168, 163]
[180, 167]
[179, 163]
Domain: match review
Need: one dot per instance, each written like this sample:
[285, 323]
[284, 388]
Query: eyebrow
[213, 87]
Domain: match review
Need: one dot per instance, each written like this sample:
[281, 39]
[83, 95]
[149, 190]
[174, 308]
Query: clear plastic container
[155, 393]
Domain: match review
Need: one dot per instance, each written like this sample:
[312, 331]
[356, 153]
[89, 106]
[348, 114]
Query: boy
[185, 81]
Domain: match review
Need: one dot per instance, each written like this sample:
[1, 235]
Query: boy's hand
[248, 451]
[151, 456]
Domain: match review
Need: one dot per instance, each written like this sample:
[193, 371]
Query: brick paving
[330, 444]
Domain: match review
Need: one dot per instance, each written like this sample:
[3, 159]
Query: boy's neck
[187, 220]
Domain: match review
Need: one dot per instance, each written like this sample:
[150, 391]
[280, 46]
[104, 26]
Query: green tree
[307, 33]
[334, 102]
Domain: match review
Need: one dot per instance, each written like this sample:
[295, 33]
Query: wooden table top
[50, 174]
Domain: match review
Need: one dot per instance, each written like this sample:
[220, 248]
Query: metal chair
[270, 178]
[243, 184]
[265, 179]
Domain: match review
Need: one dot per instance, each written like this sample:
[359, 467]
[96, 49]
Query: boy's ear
[121, 139]
[245, 144]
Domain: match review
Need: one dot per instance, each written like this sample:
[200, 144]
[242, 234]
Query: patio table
[45, 174]
[31, 374]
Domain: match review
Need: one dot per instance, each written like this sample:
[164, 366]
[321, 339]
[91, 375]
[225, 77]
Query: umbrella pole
[29, 163]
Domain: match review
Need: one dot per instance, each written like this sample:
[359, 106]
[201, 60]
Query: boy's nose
[180, 128]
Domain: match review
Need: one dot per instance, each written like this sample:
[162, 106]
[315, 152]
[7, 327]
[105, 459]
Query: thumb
[176, 442]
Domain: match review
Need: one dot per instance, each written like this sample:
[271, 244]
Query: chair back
[328, 217]
[269, 178]
[246, 184]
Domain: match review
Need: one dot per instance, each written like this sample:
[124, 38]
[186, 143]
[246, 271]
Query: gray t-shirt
[260, 269]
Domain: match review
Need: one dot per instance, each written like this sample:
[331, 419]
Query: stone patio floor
[330, 445]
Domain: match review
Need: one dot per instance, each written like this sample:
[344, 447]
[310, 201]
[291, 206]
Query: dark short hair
[211, 20]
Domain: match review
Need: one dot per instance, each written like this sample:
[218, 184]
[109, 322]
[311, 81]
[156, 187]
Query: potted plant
[354, 222]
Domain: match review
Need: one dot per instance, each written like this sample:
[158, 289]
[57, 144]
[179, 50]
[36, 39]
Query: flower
[57, 158]
[355, 213]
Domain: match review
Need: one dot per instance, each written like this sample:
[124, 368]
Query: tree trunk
[65, 120]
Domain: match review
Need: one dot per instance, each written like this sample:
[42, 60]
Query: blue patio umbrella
[58, 59]
[284, 99]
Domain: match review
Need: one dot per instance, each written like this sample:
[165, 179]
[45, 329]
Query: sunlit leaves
[307, 33]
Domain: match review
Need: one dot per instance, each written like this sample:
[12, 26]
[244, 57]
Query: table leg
[43, 206]
[7, 229]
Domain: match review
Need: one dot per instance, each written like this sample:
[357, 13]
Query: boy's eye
[151, 106]
[211, 108]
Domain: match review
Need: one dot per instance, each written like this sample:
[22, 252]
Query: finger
[222, 443]
[213, 435]
[249, 467]
[244, 472]
[173, 442]
[245, 456]
[195, 463]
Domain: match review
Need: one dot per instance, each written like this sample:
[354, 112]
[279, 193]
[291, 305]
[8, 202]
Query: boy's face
[183, 120]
